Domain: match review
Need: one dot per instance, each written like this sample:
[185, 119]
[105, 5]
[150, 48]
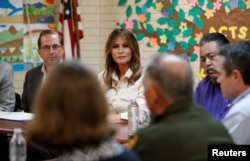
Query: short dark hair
[220, 39]
[48, 32]
[237, 56]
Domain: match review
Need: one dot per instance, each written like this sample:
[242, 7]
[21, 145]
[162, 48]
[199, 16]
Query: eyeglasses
[46, 48]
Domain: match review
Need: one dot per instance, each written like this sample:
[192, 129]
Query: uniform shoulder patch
[132, 141]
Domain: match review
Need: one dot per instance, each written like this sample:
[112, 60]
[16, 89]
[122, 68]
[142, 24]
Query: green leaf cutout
[162, 21]
[171, 39]
[163, 49]
[122, 2]
[148, 17]
[187, 32]
[242, 5]
[168, 33]
[148, 44]
[193, 57]
[176, 31]
[172, 23]
[136, 25]
[123, 25]
[184, 45]
[198, 22]
[174, 3]
[129, 11]
[137, 1]
[210, 5]
[195, 11]
[181, 15]
[139, 36]
[192, 41]
[170, 10]
[149, 3]
[150, 28]
[159, 31]
[201, 2]
[138, 10]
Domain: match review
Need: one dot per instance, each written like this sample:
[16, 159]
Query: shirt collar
[44, 71]
[241, 96]
[128, 74]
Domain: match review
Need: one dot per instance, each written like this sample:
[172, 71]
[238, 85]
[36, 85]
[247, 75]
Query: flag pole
[75, 19]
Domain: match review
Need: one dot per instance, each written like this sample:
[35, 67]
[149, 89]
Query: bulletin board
[178, 29]
[20, 25]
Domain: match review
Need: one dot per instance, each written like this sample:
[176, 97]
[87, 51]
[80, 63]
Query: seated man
[7, 89]
[234, 78]
[7, 101]
[208, 93]
[180, 130]
[51, 50]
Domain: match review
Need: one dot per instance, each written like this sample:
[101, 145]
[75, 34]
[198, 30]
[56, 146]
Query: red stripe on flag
[70, 27]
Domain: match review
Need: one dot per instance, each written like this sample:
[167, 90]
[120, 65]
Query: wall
[99, 18]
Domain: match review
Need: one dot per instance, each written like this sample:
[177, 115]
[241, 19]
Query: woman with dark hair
[122, 76]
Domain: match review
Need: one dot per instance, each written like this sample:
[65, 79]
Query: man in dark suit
[51, 50]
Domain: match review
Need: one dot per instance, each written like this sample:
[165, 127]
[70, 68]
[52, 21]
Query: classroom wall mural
[180, 30]
[20, 24]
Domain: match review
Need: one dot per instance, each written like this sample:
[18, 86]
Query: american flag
[71, 28]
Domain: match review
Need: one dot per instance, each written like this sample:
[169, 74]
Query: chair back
[18, 102]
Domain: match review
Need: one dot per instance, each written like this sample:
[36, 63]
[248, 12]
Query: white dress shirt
[119, 97]
[44, 73]
[237, 120]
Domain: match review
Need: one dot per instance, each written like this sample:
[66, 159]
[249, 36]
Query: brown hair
[111, 66]
[49, 32]
[70, 109]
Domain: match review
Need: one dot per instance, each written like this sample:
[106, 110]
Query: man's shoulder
[207, 83]
[35, 70]
[4, 64]
[205, 80]
[149, 132]
[242, 106]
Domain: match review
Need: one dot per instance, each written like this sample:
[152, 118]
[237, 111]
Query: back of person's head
[237, 56]
[70, 109]
[49, 32]
[219, 38]
[172, 75]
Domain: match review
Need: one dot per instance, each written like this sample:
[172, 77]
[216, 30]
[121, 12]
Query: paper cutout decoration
[201, 74]
[163, 39]
[181, 31]
[248, 4]
[192, 3]
[234, 4]
[217, 5]
[153, 41]
[197, 49]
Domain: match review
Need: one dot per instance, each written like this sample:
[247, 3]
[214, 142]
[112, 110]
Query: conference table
[121, 135]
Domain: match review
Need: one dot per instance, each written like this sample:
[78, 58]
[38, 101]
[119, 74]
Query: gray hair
[174, 83]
